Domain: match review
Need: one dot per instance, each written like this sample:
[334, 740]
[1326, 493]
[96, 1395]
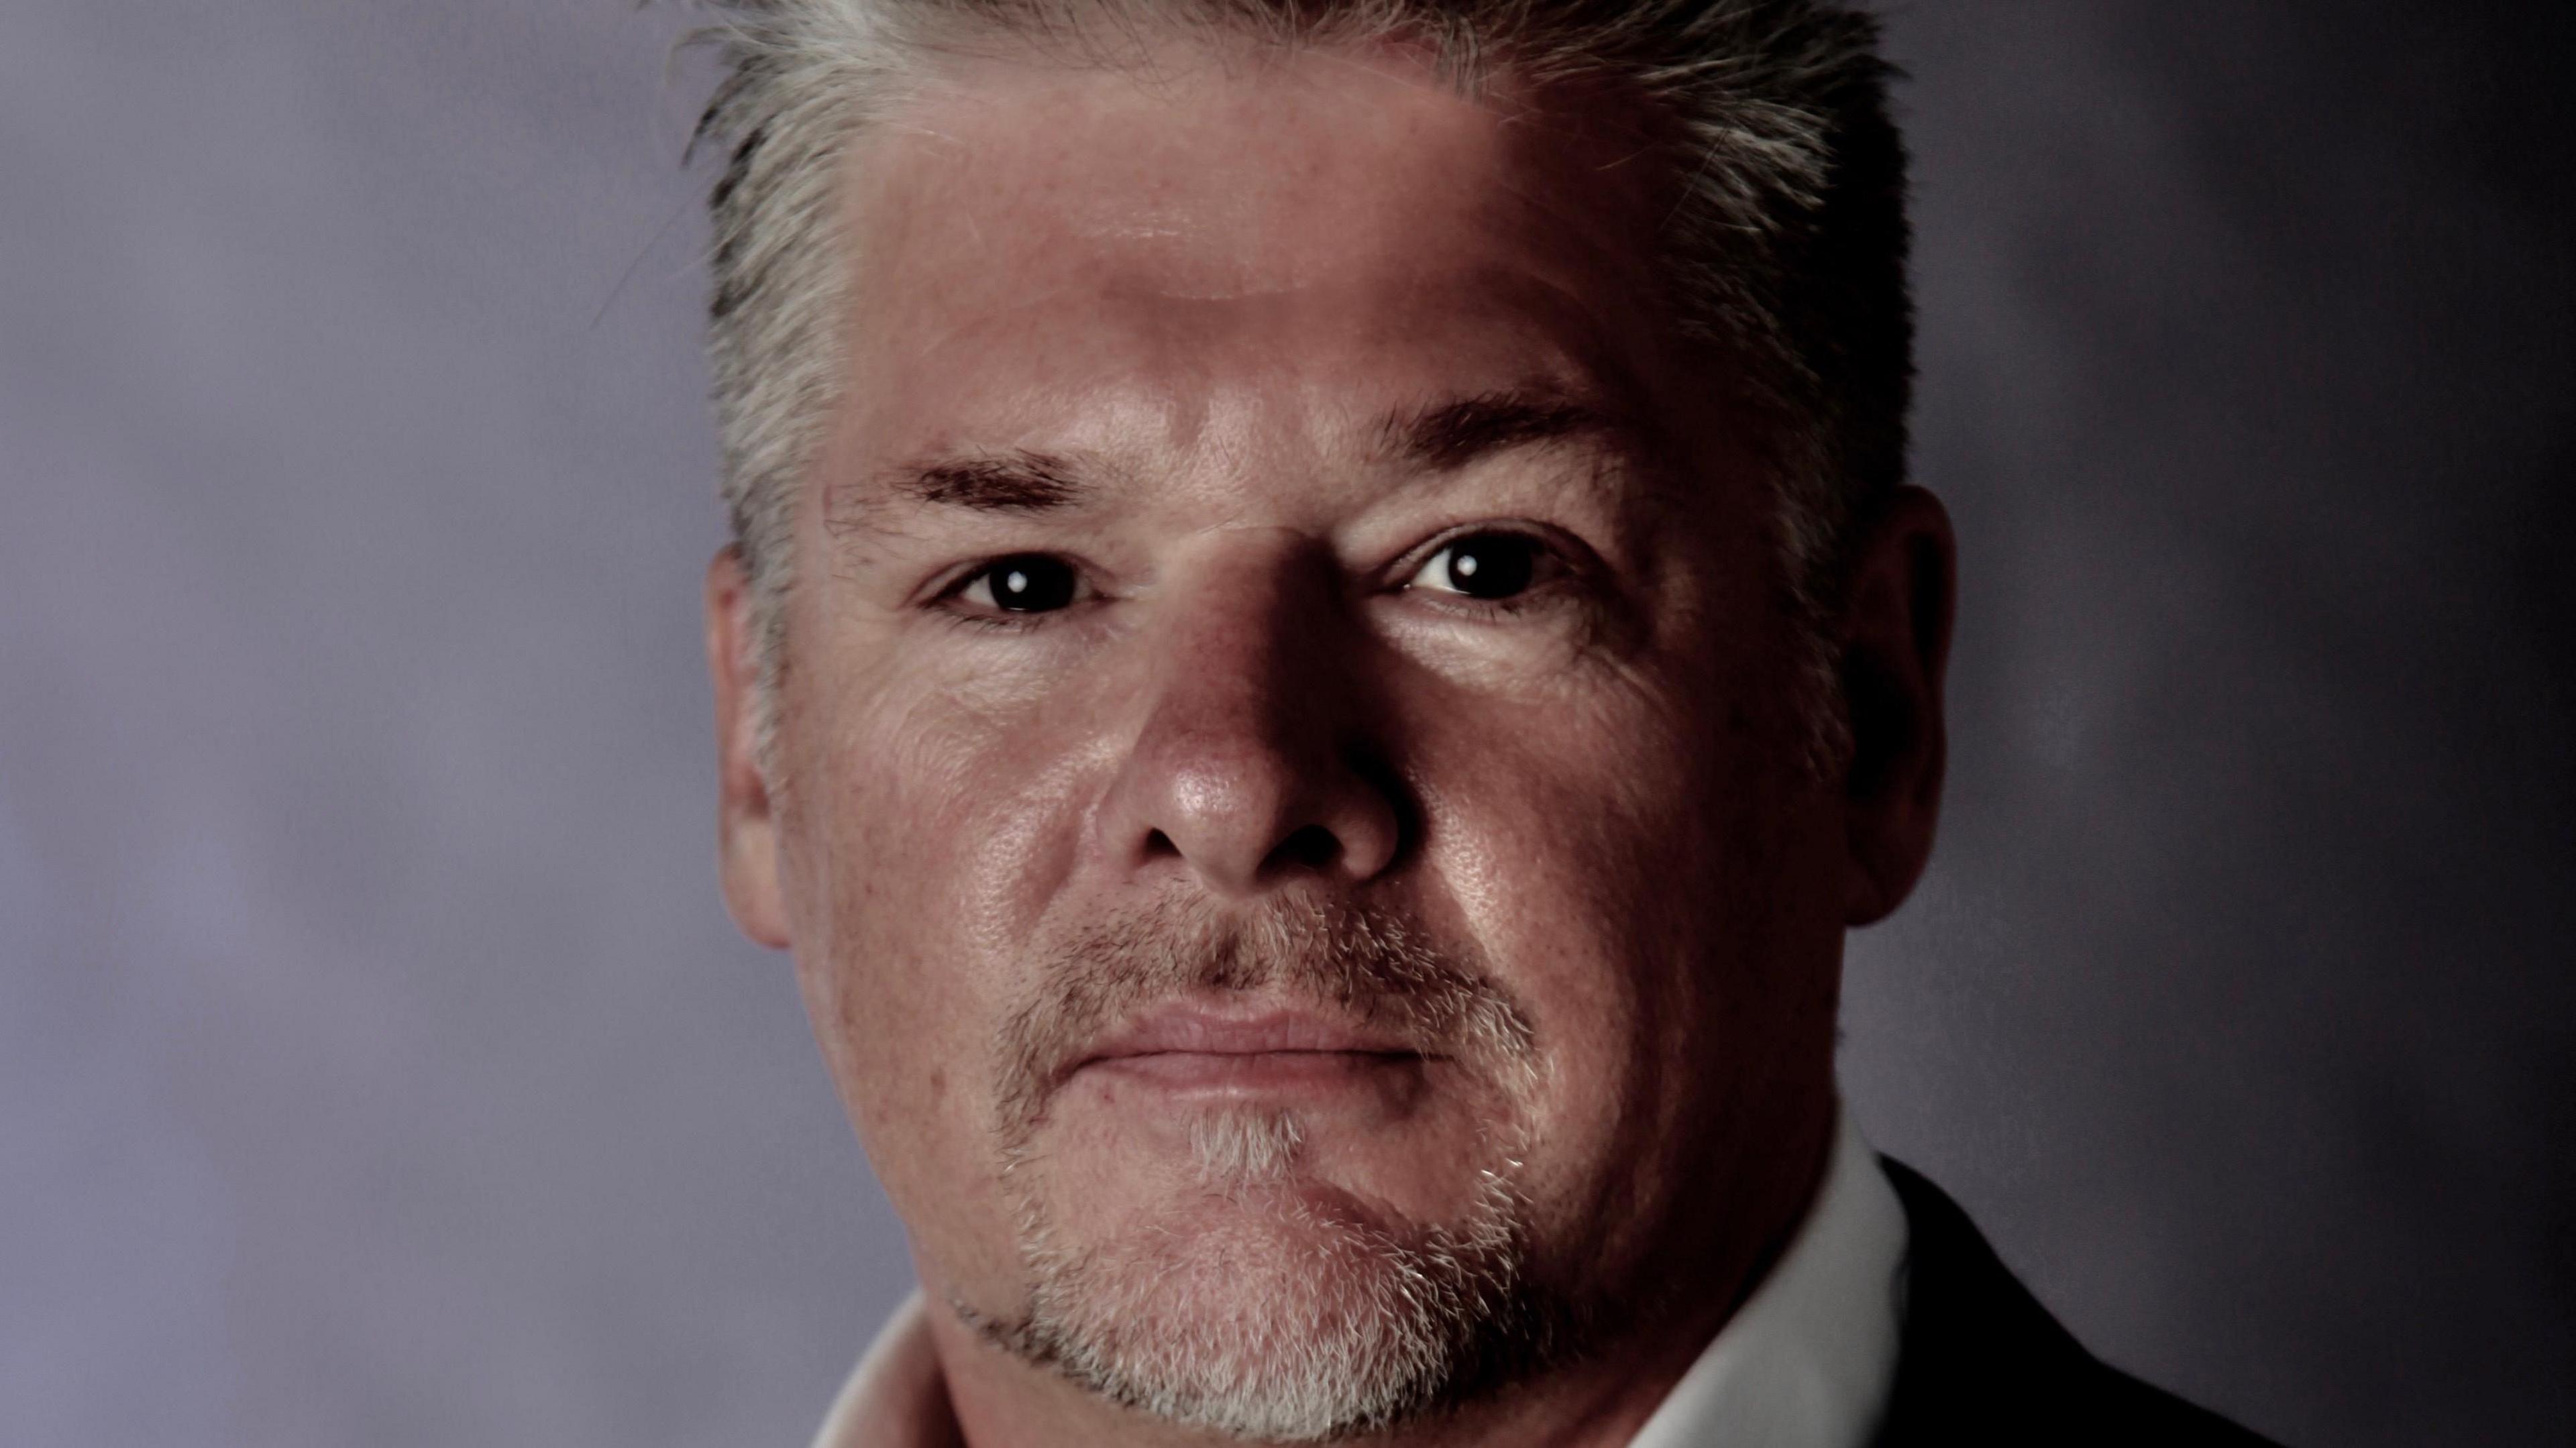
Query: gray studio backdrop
[377, 1065]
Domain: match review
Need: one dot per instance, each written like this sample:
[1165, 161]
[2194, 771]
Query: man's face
[1289, 775]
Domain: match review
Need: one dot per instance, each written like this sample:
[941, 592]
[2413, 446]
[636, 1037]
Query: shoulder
[1980, 1360]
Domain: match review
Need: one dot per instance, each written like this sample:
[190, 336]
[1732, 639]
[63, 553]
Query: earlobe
[747, 827]
[1896, 648]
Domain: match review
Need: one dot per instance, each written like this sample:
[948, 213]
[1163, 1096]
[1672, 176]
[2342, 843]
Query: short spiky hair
[1786, 242]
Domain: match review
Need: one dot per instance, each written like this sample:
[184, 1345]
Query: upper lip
[1247, 1029]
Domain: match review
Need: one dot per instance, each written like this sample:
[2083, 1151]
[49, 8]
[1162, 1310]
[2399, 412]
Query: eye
[1023, 583]
[1488, 566]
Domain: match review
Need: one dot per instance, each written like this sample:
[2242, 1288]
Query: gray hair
[1786, 244]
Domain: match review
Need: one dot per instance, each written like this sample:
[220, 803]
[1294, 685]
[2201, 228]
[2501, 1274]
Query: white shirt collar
[1806, 1362]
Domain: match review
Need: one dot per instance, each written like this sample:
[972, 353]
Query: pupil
[1032, 583]
[1494, 567]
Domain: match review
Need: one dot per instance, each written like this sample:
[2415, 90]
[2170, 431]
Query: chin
[1261, 1302]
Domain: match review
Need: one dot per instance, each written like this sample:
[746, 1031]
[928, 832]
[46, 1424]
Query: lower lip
[1258, 1073]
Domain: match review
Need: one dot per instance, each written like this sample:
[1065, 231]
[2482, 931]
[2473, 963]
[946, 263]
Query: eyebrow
[1451, 435]
[1442, 437]
[1007, 482]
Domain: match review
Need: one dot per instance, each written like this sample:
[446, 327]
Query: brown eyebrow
[1444, 437]
[1454, 434]
[1012, 482]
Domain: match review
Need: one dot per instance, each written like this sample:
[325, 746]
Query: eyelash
[1557, 564]
[946, 600]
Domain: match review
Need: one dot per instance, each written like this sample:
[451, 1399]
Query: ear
[1896, 647]
[747, 825]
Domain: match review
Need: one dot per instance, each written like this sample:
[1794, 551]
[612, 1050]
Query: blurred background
[377, 1065]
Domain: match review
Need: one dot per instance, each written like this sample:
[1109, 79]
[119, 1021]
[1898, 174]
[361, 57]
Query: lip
[1218, 1030]
[1202, 1050]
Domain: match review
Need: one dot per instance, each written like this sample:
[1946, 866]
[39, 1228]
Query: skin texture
[1226, 308]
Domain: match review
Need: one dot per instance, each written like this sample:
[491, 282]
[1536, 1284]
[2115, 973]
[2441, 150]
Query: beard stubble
[1267, 1305]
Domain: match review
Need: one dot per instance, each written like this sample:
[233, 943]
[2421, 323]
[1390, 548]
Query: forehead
[1234, 243]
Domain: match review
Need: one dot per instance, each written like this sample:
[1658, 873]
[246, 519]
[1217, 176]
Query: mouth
[1234, 1050]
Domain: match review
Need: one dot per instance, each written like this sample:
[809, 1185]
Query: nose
[1252, 768]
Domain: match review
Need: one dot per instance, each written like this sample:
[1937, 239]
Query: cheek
[1619, 858]
[926, 831]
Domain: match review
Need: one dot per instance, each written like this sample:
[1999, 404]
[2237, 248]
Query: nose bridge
[1232, 642]
[1246, 767]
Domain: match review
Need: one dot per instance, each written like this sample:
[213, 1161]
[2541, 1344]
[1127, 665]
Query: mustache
[1378, 966]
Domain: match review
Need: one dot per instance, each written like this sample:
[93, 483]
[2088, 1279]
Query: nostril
[1312, 847]
[1158, 844]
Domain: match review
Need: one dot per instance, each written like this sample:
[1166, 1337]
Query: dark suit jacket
[1981, 1362]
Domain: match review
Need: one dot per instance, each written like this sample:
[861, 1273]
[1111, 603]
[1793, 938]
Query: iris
[1031, 583]
[1490, 565]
